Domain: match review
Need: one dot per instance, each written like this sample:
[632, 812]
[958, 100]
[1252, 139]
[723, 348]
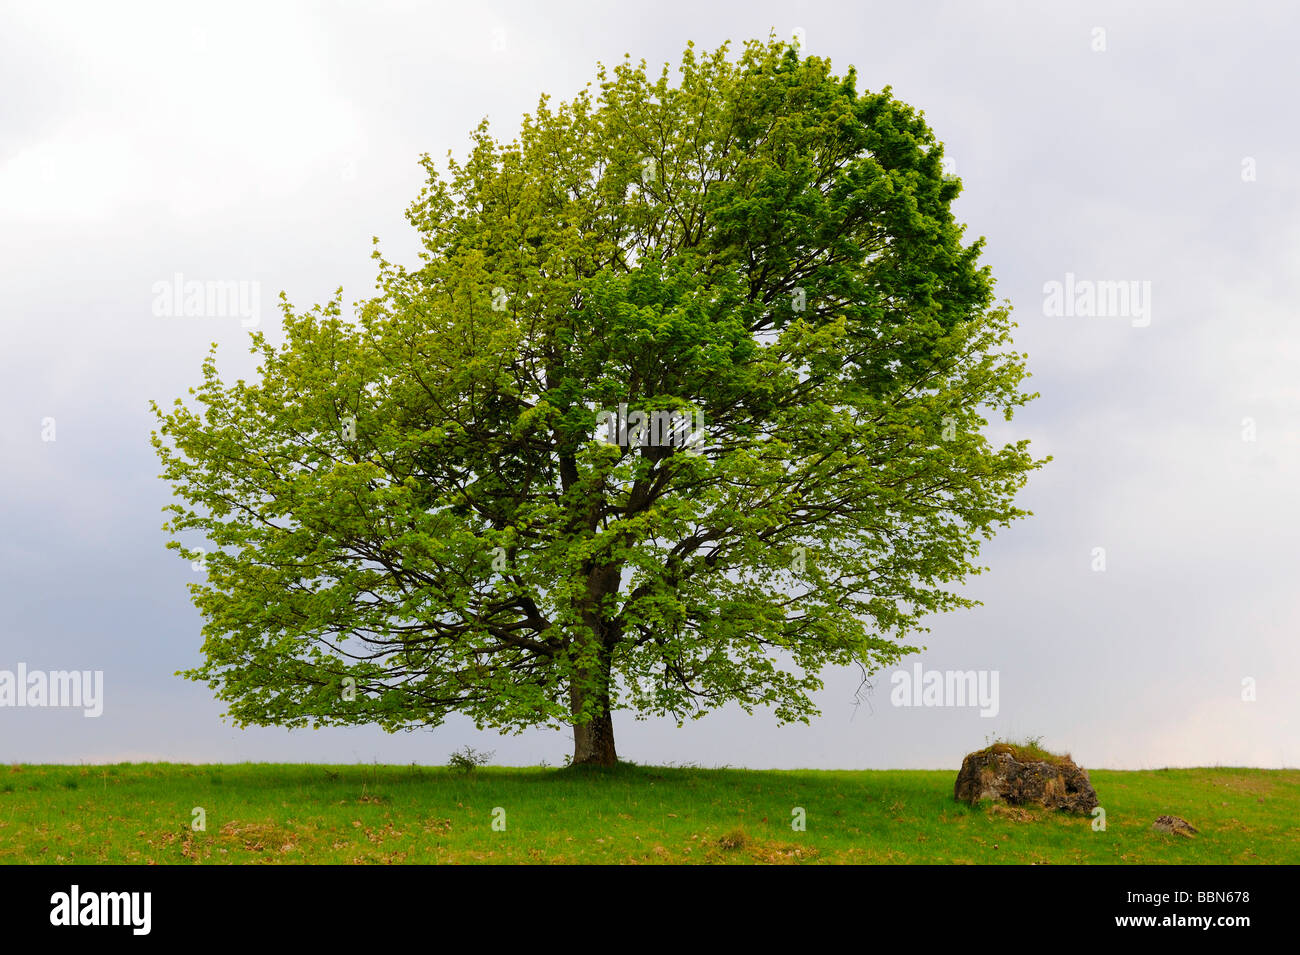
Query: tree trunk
[593, 741]
[593, 732]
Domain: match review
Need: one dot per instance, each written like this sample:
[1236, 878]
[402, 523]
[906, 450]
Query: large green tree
[439, 506]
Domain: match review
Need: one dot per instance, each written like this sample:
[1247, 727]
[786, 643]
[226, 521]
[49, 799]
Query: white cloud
[79, 173]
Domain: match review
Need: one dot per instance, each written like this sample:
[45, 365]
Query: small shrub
[469, 759]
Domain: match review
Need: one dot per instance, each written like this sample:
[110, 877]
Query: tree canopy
[684, 402]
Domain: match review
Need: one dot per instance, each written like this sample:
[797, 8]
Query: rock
[1175, 824]
[1010, 774]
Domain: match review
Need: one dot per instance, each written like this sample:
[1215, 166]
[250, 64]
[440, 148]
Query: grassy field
[263, 813]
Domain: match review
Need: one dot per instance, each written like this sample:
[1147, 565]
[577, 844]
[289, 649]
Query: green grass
[1028, 751]
[264, 813]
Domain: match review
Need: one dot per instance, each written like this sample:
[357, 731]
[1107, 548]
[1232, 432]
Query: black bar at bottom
[331, 904]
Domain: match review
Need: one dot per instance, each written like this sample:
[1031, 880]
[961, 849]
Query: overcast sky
[268, 142]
